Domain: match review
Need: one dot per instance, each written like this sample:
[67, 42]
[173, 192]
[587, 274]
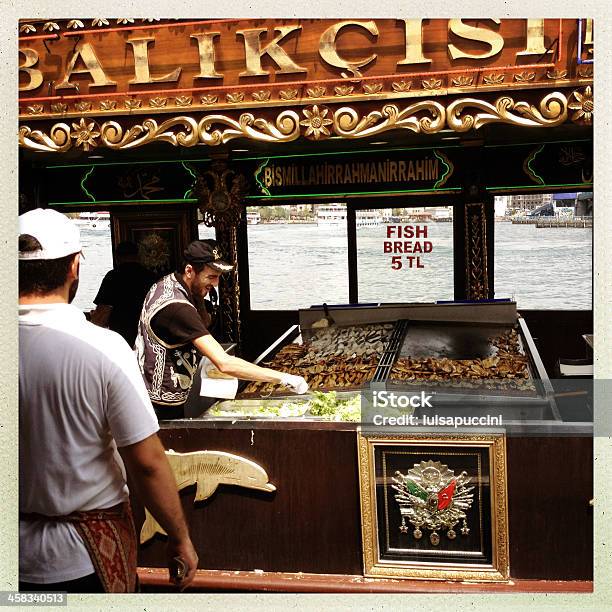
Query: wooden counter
[311, 523]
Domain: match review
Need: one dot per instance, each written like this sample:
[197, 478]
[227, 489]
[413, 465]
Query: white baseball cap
[57, 234]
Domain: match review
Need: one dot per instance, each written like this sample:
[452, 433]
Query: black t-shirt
[124, 288]
[179, 323]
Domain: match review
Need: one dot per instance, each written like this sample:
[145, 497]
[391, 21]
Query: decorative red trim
[40, 37]
[277, 582]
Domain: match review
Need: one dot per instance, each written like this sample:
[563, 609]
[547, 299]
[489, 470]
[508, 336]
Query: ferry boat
[368, 218]
[334, 215]
[253, 217]
[94, 221]
[331, 215]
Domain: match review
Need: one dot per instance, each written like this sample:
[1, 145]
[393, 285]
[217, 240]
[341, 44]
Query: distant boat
[253, 218]
[334, 216]
[94, 221]
[331, 216]
[367, 218]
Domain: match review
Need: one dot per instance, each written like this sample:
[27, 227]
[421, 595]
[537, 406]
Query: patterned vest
[167, 369]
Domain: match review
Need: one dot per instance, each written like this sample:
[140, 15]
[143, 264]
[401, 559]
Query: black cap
[202, 252]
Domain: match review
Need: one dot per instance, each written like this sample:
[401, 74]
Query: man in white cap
[81, 397]
[172, 332]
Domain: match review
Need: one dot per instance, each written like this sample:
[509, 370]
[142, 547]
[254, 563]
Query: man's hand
[296, 383]
[152, 477]
[239, 368]
[185, 552]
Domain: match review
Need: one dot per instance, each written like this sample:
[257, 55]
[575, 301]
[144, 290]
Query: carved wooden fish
[207, 470]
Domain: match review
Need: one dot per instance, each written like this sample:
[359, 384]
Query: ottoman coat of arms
[431, 497]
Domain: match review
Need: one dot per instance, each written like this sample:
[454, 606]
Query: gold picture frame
[481, 553]
[161, 233]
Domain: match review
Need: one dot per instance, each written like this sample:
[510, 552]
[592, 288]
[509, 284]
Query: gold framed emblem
[434, 507]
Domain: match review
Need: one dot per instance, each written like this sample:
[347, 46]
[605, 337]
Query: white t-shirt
[81, 396]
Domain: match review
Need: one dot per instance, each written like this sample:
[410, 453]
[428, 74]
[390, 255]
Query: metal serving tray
[455, 340]
[472, 341]
[293, 334]
[238, 407]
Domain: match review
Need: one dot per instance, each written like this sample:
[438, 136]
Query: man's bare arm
[234, 366]
[153, 479]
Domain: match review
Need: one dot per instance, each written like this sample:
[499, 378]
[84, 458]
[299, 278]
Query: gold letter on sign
[493, 39]
[92, 67]
[327, 47]
[206, 48]
[36, 76]
[588, 35]
[207, 470]
[142, 73]
[414, 43]
[535, 38]
[254, 52]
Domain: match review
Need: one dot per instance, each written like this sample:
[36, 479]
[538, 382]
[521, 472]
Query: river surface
[294, 266]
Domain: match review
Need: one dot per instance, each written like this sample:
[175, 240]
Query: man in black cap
[171, 333]
[210, 313]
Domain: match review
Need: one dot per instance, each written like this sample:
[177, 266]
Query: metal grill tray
[389, 355]
[294, 333]
[461, 341]
[450, 341]
[432, 339]
[286, 394]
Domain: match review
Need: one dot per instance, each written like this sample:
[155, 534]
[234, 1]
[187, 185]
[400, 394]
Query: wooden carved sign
[71, 58]
[207, 470]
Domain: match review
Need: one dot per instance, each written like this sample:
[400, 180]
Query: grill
[389, 356]
[460, 333]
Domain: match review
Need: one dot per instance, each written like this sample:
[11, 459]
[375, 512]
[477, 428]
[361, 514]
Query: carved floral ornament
[85, 134]
[316, 122]
[77, 24]
[583, 104]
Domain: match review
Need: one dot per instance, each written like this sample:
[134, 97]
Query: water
[544, 268]
[294, 266]
[97, 261]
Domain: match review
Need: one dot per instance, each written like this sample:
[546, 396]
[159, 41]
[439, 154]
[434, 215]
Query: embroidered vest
[167, 369]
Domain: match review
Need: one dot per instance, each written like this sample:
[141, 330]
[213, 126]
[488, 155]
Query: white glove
[296, 383]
